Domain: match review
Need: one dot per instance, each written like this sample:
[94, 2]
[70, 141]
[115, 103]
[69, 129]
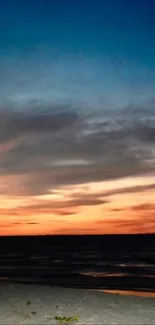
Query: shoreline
[84, 282]
[38, 304]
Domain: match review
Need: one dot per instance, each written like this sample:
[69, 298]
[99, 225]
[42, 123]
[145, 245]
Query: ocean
[118, 262]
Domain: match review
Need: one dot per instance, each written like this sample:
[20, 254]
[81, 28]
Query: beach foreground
[38, 304]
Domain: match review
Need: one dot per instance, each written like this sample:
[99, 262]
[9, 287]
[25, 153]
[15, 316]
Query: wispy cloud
[143, 207]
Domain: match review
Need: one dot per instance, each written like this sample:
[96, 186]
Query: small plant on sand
[28, 302]
[66, 319]
[33, 312]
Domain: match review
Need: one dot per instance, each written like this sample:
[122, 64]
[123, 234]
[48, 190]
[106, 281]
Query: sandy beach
[38, 304]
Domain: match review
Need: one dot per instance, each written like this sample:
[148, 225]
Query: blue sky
[92, 53]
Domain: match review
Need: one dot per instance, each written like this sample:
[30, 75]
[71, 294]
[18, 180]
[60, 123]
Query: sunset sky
[77, 117]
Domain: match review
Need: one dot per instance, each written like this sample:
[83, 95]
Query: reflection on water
[108, 275]
[101, 274]
[131, 293]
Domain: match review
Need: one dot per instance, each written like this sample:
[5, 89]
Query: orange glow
[131, 293]
[118, 206]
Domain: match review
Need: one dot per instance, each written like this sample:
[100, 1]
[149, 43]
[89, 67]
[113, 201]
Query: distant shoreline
[78, 235]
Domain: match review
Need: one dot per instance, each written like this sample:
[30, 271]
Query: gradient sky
[77, 116]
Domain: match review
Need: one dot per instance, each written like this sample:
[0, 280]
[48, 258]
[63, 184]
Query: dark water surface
[124, 262]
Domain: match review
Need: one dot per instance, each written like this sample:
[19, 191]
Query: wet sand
[38, 304]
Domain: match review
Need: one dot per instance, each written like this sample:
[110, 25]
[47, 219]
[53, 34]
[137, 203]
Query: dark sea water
[125, 262]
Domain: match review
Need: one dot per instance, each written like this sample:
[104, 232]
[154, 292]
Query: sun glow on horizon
[94, 208]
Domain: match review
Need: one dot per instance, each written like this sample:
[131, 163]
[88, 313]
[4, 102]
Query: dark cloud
[24, 223]
[32, 223]
[62, 212]
[13, 224]
[37, 183]
[19, 123]
[50, 146]
[117, 210]
[147, 134]
[143, 207]
[102, 194]
[57, 206]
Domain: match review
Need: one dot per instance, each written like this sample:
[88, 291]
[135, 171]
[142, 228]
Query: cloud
[24, 223]
[117, 209]
[15, 224]
[75, 200]
[62, 212]
[144, 223]
[106, 194]
[46, 146]
[71, 203]
[54, 207]
[35, 120]
[31, 223]
[109, 227]
[143, 207]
